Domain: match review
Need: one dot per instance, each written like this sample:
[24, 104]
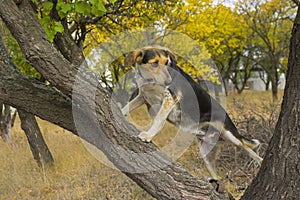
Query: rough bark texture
[38, 146]
[279, 176]
[39, 52]
[27, 94]
[117, 139]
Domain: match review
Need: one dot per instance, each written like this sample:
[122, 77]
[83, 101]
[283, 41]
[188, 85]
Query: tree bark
[159, 176]
[39, 52]
[38, 146]
[274, 83]
[27, 94]
[279, 176]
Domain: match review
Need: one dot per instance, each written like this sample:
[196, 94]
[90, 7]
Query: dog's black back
[209, 109]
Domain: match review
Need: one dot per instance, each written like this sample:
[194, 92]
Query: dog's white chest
[153, 94]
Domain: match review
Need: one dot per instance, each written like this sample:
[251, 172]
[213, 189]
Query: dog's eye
[154, 64]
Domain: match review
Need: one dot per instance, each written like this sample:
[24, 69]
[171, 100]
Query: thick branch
[35, 97]
[37, 49]
[64, 42]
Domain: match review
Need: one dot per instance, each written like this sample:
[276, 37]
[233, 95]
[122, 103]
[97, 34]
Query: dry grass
[76, 174]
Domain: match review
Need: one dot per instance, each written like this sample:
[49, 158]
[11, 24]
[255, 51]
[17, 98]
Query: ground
[76, 174]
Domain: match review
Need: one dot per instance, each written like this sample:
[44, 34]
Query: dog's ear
[171, 54]
[133, 57]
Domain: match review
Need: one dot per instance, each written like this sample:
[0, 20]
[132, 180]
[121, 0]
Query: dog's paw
[218, 186]
[145, 137]
[125, 112]
[215, 183]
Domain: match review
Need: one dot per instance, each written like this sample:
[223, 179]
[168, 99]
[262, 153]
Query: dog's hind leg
[228, 136]
[209, 161]
[167, 105]
[209, 148]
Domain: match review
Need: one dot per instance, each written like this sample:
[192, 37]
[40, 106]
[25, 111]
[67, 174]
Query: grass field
[76, 174]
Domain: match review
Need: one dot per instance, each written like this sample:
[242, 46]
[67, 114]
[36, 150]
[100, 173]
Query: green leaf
[58, 27]
[45, 21]
[82, 7]
[99, 5]
[48, 6]
[50, 34]
[66, 7]
[51, 27]
[63, 8]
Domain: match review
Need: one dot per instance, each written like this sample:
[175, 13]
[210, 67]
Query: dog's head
[152, 63]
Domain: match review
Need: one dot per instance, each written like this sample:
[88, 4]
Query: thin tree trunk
[6, 123]
[274, 91]
[267, 85]
[279, 176]
[38, 146]
[274, 83]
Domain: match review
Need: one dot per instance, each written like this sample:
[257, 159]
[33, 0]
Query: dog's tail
[251, 143]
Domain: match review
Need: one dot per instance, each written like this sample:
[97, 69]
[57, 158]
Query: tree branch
[42, 55]
[297, 2]
[27, 94]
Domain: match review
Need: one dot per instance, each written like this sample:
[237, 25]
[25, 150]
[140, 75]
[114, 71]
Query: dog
[172, 95]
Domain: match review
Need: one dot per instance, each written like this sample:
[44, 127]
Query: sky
[229, 3]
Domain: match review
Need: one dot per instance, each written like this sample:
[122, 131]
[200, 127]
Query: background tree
[269, 22]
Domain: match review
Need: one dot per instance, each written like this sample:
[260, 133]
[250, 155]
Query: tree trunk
[279, 176]
[38, 146]
[274, 83]
[267, 85]
[6, 122]
[274, 90]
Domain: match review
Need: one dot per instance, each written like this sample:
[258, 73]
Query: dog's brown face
[152, 63]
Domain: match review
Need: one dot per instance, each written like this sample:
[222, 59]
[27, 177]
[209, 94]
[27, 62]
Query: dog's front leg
[133, 104]
[167, 105]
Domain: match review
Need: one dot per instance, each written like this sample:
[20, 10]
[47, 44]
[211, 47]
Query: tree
[6, 122]
[269, 22]
[278, 177]
[220, 31]
[38, 146]
[169, 180]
